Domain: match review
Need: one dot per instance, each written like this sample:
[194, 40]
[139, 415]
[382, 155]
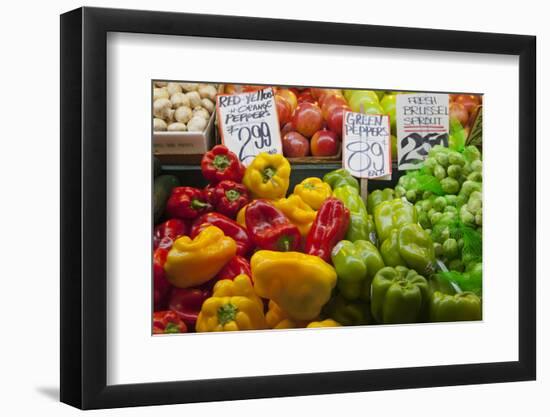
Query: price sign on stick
[366, 144]
[249, 124]
[422, 122]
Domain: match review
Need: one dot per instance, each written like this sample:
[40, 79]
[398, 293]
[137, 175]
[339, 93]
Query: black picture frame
[84, 207]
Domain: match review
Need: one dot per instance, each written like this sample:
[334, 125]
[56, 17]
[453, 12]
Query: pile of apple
[311, 120]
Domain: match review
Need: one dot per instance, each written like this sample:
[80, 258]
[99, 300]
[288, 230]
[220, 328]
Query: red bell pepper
[187, 302]
[187, 203]
[270, 228]
[229, 227]
[161, 286]
[166, 233]
[209, 193]
[228, 197]
[328, 228]
[221, 164]
[236, 266]
[167, 322]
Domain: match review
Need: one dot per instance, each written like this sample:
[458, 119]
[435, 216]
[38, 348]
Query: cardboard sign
[249, 124]
[422, 122]
[366, 144]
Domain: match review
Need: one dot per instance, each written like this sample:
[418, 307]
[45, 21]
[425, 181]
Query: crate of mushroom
[183, 120]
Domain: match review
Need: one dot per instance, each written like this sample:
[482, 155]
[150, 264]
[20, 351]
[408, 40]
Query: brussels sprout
[450, 248]
[426, 195]
[442, 159]
[456, 158]
[476, 166]
[439, 172]
[471, 153]
[426, 205]
[430, 162]
[466, 217]
[451, 209]
[469, 187]
[435, 217]
[479, 219]
[440, 203]
[460, 243]
[475, 176]
[451, 199]
[454, 171]
[450, 185]
[411, 196]
[400, 190]
[474, 204]
[424, 220]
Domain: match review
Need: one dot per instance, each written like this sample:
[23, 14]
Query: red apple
[287, 128]
[469, 101]
[305, 96]
[324, 143]
[335, 119]
[458, 112]
[295, 145]
[289, 96]
[330, 102]
[284, 111]
[307, 119]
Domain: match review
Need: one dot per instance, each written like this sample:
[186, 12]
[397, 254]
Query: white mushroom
[208, 104]
[161, 108]
[177, 127]
[161, 92]
[171, 116]
[183, 114]
[201, 112]
[159, 125]
[208, 91]
[178, 100]
[187, 87]
[173, 88]
[194, 99]
[196, 124]
[160, 83]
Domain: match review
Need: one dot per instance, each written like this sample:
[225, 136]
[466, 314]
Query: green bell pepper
[346, 312]
[377, 196]
[390, 250]
[393, 214]
[339, 178]
[416, 248]
[360, 228]
[470, 281]
[465, 306]
[399, 295]
[356, 264]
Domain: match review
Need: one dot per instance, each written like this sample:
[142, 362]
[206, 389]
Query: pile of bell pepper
[243, 253]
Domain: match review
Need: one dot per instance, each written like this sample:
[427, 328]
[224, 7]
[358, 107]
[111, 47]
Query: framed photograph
[259, 208]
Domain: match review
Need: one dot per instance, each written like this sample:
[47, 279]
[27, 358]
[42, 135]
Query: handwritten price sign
[422, 122]
[366, 145]
[248, 124]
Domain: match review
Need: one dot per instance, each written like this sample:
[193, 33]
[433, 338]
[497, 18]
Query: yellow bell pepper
[268, 176]
[192, 262]
[233, 306]
[324, 323]
[300, 284]
[279, 319]
[313, 191]
[297, 211]
[240, 285]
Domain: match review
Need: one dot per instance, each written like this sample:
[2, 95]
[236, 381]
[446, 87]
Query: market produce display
[250, 251]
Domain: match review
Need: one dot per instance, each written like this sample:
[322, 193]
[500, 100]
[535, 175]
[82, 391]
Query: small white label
[366, 145]
[249, 124]
[422, 122]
